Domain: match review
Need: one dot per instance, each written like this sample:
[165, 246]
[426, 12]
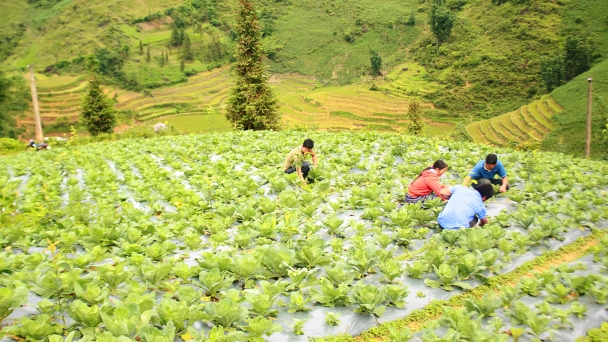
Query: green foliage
[447, 278]
[11, 298]
[332, 318]
[331, 296]
[369, 298]
[86, 315]
[98, 113]
[187, 53]
[416, 124]
[9, 145]
[569, 136]
[36, 328]
[484, 306]
[376, 63]
[552, 70]
[258, 326]
[225, 312]
[13, 100]
[595, 335]
[441, 20]
[251, 104]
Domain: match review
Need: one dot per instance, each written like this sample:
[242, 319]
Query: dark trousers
[495, 181]
[305, 169]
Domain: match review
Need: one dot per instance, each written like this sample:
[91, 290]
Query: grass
[72, 28]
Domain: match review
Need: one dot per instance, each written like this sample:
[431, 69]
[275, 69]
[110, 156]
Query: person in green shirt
[296, 160]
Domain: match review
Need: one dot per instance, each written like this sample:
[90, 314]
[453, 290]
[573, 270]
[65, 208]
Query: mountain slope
[570, 134]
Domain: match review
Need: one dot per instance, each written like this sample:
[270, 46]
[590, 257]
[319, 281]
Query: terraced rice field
[302, 102]
[531, 121]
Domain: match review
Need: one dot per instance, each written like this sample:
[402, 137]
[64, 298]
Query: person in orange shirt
[427, 183]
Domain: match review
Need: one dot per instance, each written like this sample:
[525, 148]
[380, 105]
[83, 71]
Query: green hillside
[197, 105]
[570, 135]
[490, 65]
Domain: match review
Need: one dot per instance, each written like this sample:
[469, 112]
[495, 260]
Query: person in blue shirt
[484, 172]
[465, 207]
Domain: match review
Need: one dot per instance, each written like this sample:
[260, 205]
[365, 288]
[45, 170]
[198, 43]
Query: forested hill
[487, 56]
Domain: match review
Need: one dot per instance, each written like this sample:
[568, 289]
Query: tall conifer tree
[98, 113]
[251, 104]
[187, 53]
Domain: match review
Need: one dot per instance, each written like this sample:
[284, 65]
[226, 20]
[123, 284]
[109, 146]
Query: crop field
[203, 237]
[302, 101]
[530, 122]
[198, 122]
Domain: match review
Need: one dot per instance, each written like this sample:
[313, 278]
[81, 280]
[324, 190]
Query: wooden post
[38, 124]
[588, 142]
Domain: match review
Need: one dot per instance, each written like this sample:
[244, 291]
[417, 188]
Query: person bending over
[465, 207]
[484, 172]
[427, 185]
[296, 160]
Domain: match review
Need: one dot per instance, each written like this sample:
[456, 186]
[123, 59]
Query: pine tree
[98, 113]
[414, 114]
[141, 47]
[148, 53]
[182, 65]
[182, 33]
[187, 53]
[167, 57]
[251, 104]
[176, 37]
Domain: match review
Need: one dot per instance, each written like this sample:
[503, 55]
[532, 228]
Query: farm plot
[203, 237]
[531, 121]
[302, 101]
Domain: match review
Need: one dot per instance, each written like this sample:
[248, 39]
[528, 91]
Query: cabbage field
[204, 238]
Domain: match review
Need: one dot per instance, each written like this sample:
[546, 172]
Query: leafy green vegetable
[86, 315]
[12, 297]
[153, 334]
[447, 276]
[37, 328]
[331, 296]
[369, 298]
[531, 286]
[332, 318]
[558, 293]
[261, 304]
[298, 325]
[213, 281]
[258, 326]
[391, 269]
[297, 302]
[225, 312]
[417, 269]
[125, 321]
[340, 274]
[363, 259]
[396, 294]
[484, 306]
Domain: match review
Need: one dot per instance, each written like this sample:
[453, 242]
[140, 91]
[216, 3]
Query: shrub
[9, 145]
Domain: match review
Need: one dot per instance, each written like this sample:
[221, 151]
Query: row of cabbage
[205, 237]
